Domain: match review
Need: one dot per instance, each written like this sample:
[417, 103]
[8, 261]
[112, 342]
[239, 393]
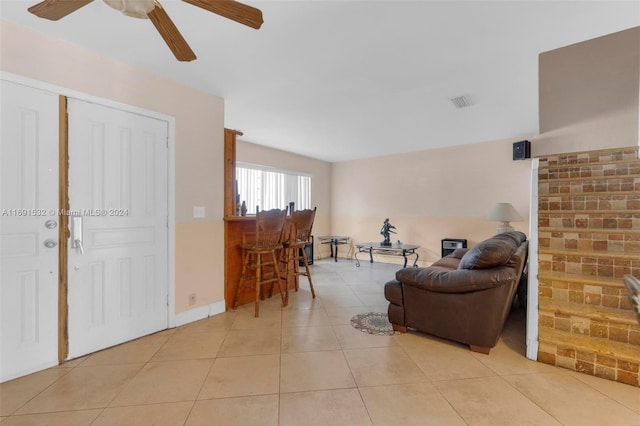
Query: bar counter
[234, 227]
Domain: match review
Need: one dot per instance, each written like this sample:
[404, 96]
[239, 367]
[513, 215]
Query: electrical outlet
[192, 299]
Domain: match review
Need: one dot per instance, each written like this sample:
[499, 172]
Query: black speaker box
[449, 245]
[521, 150]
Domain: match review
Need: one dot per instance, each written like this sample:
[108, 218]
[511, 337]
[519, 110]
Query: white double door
[118, 254]
[28, 230]
[118, 281]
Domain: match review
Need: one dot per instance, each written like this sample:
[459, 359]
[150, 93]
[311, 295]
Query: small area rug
[373, 323]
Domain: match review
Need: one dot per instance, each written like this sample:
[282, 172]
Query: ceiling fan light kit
[151, 9]
[134, 8]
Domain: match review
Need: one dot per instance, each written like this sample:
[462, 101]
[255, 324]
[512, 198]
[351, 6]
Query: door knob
[50, 243]
[50, 224]
[76, 233]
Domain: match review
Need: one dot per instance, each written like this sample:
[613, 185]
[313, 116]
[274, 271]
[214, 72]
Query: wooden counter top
[249, 218]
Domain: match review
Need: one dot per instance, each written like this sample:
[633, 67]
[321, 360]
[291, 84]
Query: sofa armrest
[456, 281]
[393, 292]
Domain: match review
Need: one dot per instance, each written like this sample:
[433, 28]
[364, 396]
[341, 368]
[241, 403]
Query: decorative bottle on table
[243, 209]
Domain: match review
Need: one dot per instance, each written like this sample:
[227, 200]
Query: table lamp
[505, 213]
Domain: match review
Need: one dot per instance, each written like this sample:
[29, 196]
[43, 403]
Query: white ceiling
[341, 80]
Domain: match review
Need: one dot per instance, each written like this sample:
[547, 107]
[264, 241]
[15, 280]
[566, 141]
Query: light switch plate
[198, 212]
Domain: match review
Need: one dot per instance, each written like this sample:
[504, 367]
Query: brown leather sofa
[465, 296]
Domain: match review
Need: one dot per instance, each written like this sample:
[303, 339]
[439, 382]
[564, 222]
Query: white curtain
[271, 189]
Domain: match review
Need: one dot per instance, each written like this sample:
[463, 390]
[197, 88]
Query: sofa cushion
[447, 262]
[441, 280]
[517, 236]
[458, 253]
[489, 254]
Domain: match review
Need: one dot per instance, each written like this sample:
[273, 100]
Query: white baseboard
[199, 313]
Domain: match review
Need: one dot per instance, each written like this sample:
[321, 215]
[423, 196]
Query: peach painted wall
[320, 181]
[429, 195]
[589, 99]
[199, 146]
[590, 95]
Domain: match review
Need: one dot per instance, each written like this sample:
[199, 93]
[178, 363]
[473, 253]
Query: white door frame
[532, 287]
[70, 93]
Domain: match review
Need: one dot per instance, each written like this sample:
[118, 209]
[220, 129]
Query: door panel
[118, 282]
[29, 204]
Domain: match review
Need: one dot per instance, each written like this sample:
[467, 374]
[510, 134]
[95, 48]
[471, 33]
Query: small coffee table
[334, 241]
[401, 249]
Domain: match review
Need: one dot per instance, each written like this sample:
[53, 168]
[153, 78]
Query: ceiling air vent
[460, 102]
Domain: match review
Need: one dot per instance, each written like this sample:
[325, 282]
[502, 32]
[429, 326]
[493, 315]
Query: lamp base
[504, 227]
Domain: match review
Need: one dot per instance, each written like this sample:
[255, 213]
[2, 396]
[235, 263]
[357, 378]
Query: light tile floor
[306, 365]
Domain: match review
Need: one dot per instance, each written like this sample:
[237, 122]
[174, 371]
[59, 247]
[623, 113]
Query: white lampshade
[505, 213]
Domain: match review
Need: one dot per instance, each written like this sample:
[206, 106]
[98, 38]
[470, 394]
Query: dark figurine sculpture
[387, 228]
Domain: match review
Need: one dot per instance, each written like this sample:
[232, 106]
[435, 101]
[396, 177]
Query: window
[272, 188]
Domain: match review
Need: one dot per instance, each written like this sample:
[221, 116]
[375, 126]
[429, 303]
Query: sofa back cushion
[519, 237]
[490, 253]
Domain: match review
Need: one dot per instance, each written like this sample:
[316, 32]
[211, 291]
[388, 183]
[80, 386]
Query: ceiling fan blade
[170, 34]
[239, 12]
[56, 9]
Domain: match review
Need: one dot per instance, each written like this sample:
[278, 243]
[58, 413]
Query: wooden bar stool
[260, 264]
[293, 247]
